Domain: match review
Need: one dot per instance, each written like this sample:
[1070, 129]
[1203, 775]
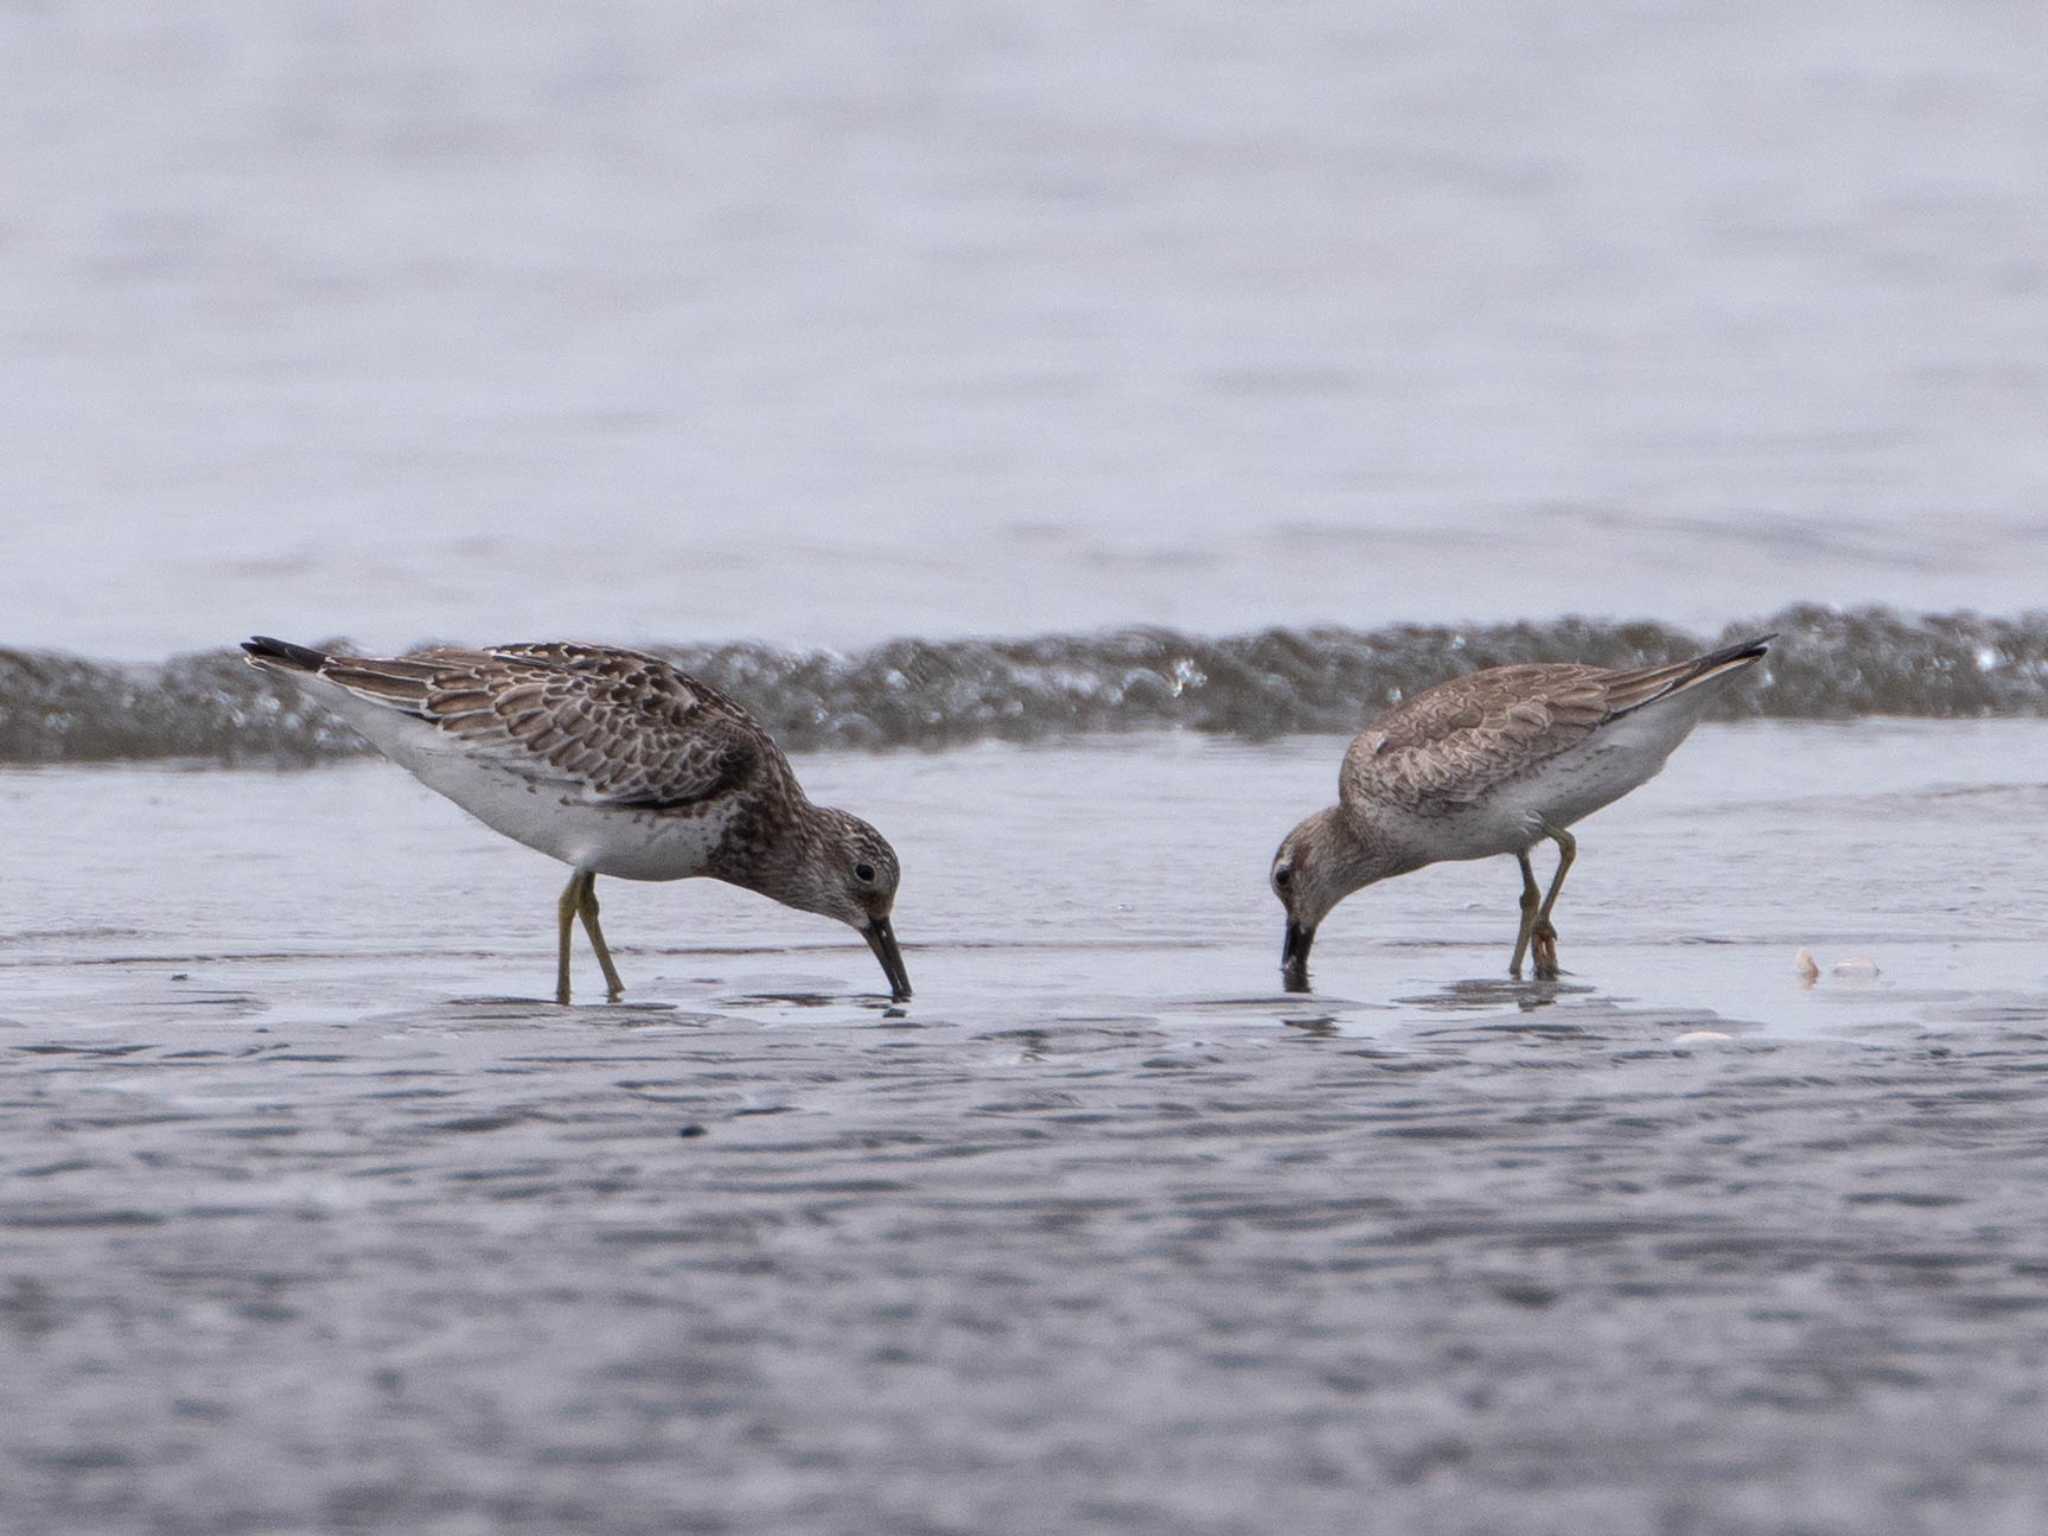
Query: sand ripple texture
[315, 1218]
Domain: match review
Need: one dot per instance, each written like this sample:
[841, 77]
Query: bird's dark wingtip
[264, 651]
[1741, 650]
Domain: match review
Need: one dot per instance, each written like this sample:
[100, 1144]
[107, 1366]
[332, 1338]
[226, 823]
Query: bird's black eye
[865, 873]
[1282, 875]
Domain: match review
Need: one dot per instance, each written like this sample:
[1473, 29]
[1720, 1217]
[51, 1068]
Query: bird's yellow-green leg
[565, 912]
[614, 988]
[1542, 935]
[1531, 895]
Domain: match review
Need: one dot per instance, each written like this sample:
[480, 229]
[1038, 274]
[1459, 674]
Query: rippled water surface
[317, 1217]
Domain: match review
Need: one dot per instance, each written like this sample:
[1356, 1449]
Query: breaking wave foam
[1826, 664]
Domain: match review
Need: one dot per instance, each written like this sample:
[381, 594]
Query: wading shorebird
[616, 764]
[1490, 763]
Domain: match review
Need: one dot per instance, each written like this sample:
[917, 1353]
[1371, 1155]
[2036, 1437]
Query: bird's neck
[769, 847]
[1357, 850]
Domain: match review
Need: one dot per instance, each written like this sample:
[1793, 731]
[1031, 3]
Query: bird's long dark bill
[882, 940]
[1294, 957]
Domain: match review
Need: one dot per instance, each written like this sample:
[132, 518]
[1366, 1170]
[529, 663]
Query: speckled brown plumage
[1490, 763]
[1453, 744]
[629, 729]
[616, 763]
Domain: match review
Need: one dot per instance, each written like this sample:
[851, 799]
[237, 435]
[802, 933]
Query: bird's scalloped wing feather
[1451, 744]
[621, 727]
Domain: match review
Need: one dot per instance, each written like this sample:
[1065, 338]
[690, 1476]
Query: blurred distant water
[826, 324]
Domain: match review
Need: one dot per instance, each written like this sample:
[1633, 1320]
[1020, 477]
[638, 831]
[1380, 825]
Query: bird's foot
[1529, 903]
[1543, 950]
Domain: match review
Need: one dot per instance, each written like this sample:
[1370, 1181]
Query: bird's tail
[282, 655]
[1633, 690]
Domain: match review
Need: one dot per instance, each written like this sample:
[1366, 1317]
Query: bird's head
[849, 872]
[1318, 864]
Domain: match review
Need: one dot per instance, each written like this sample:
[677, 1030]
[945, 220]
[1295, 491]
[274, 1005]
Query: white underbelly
[629, 844]
[552, 817]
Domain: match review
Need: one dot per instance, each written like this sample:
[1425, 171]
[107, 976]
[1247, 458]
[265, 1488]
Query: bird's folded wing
[621, 728]
[1452, 744]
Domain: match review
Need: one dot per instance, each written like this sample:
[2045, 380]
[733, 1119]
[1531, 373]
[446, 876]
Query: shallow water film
[318, 1217]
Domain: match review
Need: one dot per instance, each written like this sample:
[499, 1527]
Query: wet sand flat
[317, 1218]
